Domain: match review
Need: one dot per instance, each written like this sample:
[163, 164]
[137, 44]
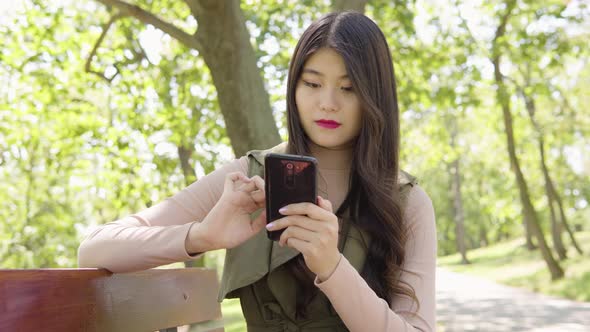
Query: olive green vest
[255, 272]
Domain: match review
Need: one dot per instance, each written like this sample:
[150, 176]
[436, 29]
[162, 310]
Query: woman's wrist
[196, 240]
[325, 275]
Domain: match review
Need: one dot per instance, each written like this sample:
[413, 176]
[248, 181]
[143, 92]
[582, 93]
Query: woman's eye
[347, 88]
[310, 84]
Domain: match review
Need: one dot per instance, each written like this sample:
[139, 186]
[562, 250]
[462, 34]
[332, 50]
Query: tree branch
[29, 59]
[469, 32]
[149, 18]
[500, 31]
[105, 29]
[565, 100]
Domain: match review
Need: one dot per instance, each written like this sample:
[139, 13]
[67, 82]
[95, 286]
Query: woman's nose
[329, 101]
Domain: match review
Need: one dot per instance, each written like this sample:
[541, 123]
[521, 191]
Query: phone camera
[290, 169]
[290, 179]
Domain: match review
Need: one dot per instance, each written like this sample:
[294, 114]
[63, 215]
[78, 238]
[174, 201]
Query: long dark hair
[373, 199]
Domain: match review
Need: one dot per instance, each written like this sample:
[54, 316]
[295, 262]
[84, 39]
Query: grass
[510, 263]
[233, 320]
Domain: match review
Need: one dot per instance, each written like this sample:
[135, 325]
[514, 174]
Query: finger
[245, 201]
[259, 197]
[230, 178]
[297, 233]
[296, 220]
[325, 204]
[299, 245]
[259, 182]
[309, 209]
[245, 186]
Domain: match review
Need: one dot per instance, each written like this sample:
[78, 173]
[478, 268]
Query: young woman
[362, 259]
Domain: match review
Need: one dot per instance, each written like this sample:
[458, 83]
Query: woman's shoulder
[405, 178]
[418, 197]
[241, 164]
[258, 155]
[419, 210]
[237, 164]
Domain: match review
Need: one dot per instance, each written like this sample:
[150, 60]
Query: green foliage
[79, 149]
[233, 319]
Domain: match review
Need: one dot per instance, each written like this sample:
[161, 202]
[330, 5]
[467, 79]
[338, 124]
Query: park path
[466, 303]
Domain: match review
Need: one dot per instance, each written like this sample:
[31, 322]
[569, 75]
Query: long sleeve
[155, 236]
[358, 305]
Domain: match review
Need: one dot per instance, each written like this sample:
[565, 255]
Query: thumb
[324, 204]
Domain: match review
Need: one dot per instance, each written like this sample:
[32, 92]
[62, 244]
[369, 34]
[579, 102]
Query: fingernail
[282, 210]
[270, 226]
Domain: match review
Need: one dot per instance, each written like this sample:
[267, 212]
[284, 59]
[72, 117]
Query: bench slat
[97, 300]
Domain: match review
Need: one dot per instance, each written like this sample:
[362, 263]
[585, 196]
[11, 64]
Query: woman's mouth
[330, 124]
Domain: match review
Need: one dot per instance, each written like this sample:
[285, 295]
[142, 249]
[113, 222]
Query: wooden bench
[97, 300]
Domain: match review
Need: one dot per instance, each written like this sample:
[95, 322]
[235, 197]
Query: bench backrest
[97, 300]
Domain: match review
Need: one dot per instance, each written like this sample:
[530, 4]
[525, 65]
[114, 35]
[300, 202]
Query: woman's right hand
[228, 224]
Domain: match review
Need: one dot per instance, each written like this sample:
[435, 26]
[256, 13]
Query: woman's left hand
[312, 230]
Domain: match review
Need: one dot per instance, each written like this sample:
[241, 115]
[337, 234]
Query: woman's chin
[333, 145]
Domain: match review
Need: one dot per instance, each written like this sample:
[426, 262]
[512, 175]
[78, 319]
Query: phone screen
[288, 179]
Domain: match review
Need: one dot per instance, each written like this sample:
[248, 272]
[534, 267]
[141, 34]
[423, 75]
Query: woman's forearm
[129, 245]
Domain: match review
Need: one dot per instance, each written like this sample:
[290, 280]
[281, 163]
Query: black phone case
[288, 179]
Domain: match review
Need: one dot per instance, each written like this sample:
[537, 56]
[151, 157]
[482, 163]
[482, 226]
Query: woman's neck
[332, 159]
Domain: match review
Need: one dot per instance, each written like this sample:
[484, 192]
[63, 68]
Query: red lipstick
[330, 124]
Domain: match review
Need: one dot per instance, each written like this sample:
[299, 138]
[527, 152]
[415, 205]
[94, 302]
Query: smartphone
[288, 179]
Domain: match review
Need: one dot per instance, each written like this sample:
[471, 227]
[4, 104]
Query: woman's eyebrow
[318, 73]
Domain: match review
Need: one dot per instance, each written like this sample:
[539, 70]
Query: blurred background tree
[108, 107]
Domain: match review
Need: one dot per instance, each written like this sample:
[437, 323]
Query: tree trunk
[564, 221]
[552, 194]
[555, 227]
[483, 236]
[224, 42]
[504, 101]
[456, 195]
[355, 5]
[184, 155]
[226, 49]
[482, 241]
[528, 234]
[530, 216]
[458, 211]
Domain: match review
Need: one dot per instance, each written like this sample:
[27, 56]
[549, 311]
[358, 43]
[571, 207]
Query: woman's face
[329, 109]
